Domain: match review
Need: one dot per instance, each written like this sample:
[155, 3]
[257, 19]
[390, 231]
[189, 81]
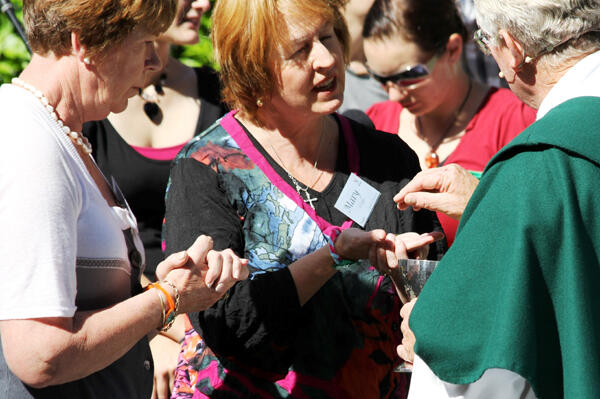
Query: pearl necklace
[76, 137]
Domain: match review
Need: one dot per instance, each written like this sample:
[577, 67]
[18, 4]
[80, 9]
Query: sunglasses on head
[410, 75]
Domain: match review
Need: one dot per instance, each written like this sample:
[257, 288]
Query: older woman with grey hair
[512, 310]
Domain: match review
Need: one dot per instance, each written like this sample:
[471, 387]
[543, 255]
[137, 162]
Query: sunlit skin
[185, 27]
[122, 72]
[178, 104]
[311, 71]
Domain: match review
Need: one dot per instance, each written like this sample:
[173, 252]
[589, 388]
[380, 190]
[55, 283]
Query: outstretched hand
[446, 189]
[383, 250]
[356, 244]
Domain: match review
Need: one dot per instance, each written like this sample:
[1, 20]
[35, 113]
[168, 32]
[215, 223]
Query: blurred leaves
[13, 53]
[14, 56]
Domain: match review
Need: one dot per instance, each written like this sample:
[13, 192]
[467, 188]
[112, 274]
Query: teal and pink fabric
[347, 349]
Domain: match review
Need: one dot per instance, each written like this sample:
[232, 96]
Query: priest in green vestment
[513, 309]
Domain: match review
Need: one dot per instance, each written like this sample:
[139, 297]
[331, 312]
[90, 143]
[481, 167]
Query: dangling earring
[259, 103]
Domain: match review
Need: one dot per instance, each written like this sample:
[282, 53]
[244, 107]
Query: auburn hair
[246, 36]
[100, 24]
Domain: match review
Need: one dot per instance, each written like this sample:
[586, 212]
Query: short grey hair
[541, 25]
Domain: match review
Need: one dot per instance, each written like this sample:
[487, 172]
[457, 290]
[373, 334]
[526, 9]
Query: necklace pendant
[151, 109]
[432, 159]
[305, 195]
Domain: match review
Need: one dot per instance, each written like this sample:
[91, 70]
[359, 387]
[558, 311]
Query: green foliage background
[14, 56]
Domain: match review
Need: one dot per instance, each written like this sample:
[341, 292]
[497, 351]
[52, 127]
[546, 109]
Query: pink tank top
[159, 154]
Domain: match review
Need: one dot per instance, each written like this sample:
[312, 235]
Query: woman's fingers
[400, 247]
[224, 268]
[215, 264]
[354, 243]
[240, 268]
[173, 261]
[391, 258]
[200, 248]
[414, 241]
[226, 278]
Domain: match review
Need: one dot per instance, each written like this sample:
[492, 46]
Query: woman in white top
[74, 319]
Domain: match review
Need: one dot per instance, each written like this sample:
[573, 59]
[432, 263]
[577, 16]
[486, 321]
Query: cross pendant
[306, 196]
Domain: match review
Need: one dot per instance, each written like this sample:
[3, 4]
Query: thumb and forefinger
[199, 249]
[413, 242]
[426, 181]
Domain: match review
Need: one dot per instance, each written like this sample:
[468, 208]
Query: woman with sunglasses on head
[413, 48]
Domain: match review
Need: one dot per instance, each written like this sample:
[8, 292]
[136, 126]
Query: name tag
[357, 200]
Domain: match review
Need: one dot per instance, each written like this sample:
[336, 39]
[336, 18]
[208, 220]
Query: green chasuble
[520, 287]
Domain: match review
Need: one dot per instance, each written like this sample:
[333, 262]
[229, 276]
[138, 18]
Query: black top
[144, 180]
[266, 335]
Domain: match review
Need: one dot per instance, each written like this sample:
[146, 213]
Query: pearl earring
[259, 103]
[501, 75]
[528, 60]
[86, 61]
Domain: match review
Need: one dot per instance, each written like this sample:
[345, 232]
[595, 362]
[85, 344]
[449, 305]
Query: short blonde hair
[100, 24]
[246, 35]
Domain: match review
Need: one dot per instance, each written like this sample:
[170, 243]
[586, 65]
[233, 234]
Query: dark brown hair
[427, 23]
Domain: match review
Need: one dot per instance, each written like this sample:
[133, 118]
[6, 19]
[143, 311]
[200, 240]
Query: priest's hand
[407, 350]
[446, 189]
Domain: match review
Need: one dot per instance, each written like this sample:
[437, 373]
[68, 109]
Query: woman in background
[414, 48]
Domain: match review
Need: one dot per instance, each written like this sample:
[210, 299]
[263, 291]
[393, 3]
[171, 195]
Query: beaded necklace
[76, 137]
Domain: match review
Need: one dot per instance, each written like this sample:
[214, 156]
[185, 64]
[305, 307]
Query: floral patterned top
[259, 342]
